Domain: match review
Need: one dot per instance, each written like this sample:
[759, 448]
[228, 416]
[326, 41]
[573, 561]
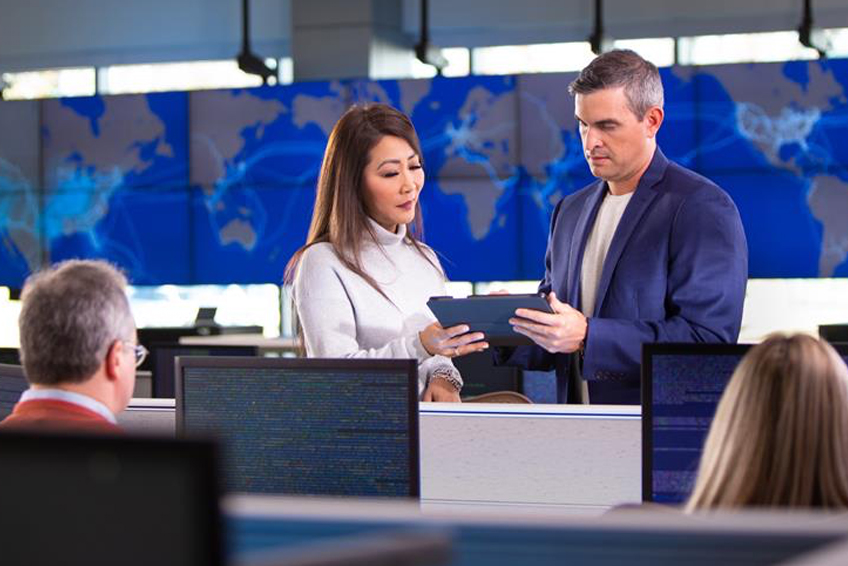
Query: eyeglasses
[139, 351]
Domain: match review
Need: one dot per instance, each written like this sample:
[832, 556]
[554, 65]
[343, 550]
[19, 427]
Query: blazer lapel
[636, 208]
[578, 243]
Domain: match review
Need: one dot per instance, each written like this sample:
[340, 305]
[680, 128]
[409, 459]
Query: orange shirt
[54, 415]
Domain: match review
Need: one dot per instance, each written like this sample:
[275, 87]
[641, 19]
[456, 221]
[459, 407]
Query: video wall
[218, 186]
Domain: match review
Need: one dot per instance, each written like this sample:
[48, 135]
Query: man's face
[616, 143]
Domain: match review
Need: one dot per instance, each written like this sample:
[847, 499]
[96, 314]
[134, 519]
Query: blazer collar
[636, 208]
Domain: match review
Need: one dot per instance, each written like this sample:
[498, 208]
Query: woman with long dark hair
[361, 282]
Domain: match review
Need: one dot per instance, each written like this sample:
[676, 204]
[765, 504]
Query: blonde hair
[780, 433]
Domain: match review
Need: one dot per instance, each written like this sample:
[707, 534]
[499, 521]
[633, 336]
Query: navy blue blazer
[675, 271]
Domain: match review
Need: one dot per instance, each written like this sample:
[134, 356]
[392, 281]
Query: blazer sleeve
[708, 271]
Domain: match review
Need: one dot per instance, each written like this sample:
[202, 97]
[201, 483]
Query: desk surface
[279, 344]
[634, 537]
[629, 412]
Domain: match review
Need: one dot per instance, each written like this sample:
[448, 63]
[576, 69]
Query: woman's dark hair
[340, 217]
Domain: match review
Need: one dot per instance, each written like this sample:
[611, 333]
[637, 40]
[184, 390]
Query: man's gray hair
[623, 68]
[72, 313]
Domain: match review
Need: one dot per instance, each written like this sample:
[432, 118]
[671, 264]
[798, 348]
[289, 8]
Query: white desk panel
[585, 457]
[478, 456]
[149, 416]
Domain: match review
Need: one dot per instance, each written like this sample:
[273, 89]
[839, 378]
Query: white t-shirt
[597, 246]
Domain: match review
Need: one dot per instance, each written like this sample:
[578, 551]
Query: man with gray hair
[78, 349]
[651, 252]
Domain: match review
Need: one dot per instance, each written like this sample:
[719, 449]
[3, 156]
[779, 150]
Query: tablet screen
[488, 314]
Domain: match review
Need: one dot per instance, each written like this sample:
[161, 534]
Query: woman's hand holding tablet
[452, 341]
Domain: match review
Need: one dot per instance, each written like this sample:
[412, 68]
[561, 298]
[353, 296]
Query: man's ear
[114, 360]
[653, 120]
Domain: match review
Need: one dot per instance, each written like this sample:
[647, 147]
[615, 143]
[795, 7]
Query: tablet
[488, 314]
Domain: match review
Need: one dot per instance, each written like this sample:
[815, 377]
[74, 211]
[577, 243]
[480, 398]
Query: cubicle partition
[628, 537]
[572, 458]
[579, 458]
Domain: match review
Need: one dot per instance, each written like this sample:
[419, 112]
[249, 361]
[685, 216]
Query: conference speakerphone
[488, 314]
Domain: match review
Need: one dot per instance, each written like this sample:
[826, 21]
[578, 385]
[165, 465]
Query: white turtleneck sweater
[342, 316]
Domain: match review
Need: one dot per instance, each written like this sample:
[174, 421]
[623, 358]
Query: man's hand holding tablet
[562, 331]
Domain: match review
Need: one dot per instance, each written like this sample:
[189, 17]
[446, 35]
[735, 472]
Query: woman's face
[392, 180]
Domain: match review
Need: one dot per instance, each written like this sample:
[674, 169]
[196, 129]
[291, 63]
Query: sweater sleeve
[326, 315]
[439, 363]
[436, 363]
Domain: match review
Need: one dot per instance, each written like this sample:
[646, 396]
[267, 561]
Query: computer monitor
[10, 356]
[163, 356]
[12, 384]
[834, 333]
[681, 388]
[306, 426]
[205, 316]
[151, 335]
[105, 500]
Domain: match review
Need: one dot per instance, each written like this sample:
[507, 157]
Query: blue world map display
[218, 186]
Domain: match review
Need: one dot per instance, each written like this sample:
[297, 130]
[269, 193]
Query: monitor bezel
[409, 366]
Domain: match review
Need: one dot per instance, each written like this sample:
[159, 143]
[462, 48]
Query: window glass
[49, 83]
[538, 58]
[743, 48]
[237, 305]
[657, 50]
[192, 75]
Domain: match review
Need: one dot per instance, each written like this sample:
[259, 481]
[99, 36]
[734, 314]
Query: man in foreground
[78, 349]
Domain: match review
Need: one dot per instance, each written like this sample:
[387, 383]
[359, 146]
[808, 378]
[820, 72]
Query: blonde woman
[780, 434]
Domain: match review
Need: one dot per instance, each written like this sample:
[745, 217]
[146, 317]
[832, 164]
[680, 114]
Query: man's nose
[592, 139]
